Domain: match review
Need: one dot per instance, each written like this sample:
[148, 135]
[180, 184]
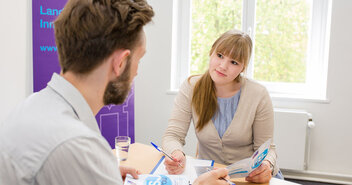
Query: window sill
[299, 99]
[172, 92]
[279, 97]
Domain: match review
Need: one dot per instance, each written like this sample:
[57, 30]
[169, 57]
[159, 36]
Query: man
[53, 137]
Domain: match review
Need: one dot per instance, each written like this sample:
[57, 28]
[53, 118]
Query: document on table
[156, 180]
[190, 171]
[244, 167]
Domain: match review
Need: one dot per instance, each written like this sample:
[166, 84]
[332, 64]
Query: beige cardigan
[252, 125]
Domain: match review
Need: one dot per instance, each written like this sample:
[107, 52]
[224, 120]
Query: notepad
[190, 171]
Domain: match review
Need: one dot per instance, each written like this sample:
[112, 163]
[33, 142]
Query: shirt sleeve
[263, 127]
[81, 160]
[179, 122]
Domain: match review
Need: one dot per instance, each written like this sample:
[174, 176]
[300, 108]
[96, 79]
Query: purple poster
[112, 120]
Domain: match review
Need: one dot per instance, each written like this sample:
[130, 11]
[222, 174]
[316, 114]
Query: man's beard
[117, 90]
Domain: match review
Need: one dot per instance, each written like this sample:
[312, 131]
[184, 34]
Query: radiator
[291, 136]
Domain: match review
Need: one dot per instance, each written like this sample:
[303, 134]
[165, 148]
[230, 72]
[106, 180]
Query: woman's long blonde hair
[234, 44]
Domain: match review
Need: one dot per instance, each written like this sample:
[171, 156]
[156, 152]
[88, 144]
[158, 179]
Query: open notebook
[191, 166]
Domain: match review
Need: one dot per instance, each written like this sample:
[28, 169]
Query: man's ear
[119, 61]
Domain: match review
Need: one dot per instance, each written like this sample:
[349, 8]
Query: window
[290, 41]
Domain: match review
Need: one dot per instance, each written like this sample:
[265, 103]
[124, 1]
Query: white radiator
[291, 136]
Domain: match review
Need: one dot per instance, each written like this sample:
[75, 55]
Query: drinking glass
[122, 144]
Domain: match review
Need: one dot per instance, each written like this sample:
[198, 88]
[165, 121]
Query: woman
[232, 115]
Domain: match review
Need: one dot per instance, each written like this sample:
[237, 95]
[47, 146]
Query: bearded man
[53, 137]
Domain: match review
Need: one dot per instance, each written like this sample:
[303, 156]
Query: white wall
[331, 138]
[15, 55]
[152, 105]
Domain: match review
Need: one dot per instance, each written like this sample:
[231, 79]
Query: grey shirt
[53, 138]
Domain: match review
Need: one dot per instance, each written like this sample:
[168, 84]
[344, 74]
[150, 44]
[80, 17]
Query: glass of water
[122, 144]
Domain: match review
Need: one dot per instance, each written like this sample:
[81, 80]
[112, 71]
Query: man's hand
[173, 167]
[212, 177]
[260, 175]
[124, 170]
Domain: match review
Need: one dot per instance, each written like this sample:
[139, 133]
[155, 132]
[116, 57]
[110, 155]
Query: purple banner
[117, 120]
[113, 120]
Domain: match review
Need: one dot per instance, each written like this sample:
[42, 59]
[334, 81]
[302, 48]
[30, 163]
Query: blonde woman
[232, 115]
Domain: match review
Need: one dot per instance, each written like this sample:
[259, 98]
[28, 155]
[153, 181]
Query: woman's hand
[124, 170]
[260, 175]
[173, 167]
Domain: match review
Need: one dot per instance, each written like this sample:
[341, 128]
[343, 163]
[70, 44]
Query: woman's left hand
[260, 175]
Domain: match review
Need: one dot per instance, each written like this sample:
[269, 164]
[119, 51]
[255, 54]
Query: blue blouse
[227, 109]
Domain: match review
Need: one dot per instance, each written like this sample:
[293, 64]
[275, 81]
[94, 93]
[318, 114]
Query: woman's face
[223, 70]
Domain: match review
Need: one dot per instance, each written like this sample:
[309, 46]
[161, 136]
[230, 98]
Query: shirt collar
[79, 105]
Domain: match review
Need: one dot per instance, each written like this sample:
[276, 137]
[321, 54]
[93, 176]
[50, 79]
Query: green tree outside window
[281, 38]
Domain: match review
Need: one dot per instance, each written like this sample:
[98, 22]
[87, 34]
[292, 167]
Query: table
[144, 158]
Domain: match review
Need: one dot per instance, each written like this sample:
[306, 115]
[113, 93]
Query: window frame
[317, 54]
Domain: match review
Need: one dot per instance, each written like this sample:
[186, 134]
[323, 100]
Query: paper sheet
[189, 172]
[150, 179]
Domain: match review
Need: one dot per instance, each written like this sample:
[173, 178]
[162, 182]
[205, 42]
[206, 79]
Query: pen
[228, 181]
[222, 178]
[161, 150]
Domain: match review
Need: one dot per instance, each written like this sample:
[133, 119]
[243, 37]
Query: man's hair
[89, 31]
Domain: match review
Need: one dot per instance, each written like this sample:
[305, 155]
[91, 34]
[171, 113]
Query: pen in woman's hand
[161, 150]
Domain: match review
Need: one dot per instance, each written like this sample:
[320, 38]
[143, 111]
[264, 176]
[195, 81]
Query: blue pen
[161, 150]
